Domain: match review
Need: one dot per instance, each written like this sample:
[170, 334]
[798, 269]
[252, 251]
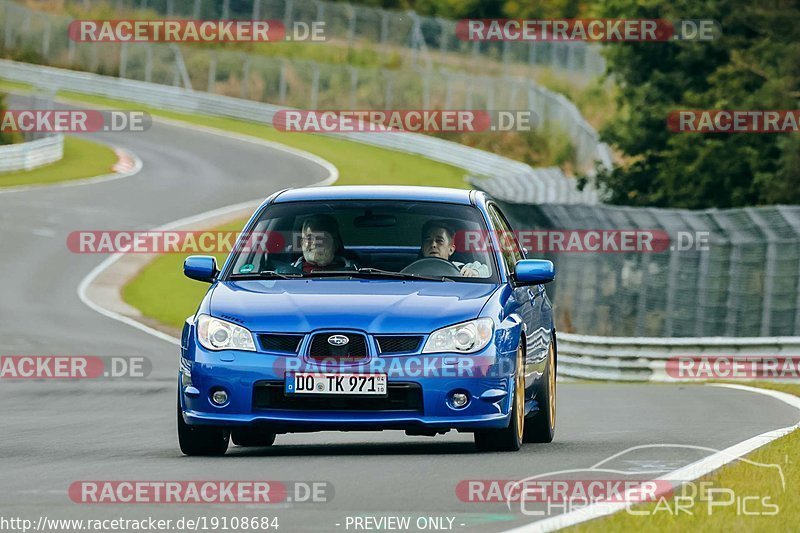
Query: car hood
[375, 306]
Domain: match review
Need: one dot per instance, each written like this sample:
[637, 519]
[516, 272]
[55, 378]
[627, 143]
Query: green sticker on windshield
[246, 269]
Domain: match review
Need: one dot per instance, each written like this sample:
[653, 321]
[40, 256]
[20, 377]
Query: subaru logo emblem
[338, 340]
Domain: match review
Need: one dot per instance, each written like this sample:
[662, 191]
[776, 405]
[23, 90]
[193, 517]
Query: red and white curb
[128, 164]
[125, 164]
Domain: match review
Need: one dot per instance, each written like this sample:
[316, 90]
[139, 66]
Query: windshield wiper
[265, 274]
[374, 272]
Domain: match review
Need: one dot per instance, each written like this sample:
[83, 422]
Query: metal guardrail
[645, 358]
[539, 185]
[31, 154]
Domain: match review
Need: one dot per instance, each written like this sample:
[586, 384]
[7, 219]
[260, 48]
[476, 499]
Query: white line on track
[690, 472]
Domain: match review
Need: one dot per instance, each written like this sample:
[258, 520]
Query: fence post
[9, 30]
[426, 90]
[353, 86]
[70, 51]
[244, 88]
[443, 34]
[123, 59]
[95, 59]
[148, 63]
[287, 14]
[384, 26]
[532, 53]
[505, 54]
[314, 85]
[46, 35]
[212, 73]
[282, 83]
[196, 10]
[256, 9]
[320, 10]
[389, 95]
[351, 23]
[226, 8]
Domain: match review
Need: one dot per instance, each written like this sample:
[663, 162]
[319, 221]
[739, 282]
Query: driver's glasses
[315, 239]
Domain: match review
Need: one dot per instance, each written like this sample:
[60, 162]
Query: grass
[165, 276]
[746, 480]
[82, 159]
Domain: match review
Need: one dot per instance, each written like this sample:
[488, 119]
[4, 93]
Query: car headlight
[467, 337]
[216, 334]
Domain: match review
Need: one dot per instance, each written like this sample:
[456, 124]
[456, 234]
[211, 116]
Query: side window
[509, 247]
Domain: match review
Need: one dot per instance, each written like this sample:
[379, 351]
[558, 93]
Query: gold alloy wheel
[551, 385]
[519, 393]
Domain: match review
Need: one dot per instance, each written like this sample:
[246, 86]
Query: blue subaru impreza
[370, 308]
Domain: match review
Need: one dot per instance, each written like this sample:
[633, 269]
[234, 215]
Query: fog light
[459, 399]
[219, 397]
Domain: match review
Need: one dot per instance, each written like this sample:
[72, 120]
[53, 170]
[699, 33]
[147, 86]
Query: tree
[753, 65]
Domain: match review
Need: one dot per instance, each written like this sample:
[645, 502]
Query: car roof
[376, 192]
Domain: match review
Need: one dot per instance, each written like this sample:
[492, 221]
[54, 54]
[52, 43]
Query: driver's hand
[468, 272]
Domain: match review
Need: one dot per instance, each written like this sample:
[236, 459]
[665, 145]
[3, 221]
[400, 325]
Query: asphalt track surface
[55, 432]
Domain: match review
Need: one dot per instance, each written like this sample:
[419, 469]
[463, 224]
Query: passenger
[438, 240]
[322, 245]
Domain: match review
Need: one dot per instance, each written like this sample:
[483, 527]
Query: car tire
[201, 440]
[541, 425]
[510, 438]
[247, 437]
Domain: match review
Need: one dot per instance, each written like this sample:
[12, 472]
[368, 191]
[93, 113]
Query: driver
[438, 240]
[322, 246]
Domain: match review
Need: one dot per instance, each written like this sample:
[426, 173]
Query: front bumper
[486, 378]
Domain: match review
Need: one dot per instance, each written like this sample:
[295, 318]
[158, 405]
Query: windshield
[365, 239]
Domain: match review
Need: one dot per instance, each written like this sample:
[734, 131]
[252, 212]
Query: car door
[535, 309]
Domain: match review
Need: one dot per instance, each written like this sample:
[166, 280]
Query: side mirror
[201, 268]
[534, 271]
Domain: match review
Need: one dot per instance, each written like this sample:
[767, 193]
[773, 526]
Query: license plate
[323, 383]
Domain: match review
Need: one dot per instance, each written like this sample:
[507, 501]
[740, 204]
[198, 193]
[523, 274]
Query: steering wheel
[432, 266]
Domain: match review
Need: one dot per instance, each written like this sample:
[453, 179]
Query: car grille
[354, 350]
[400, 397]
[274, 342]
[398, 343]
